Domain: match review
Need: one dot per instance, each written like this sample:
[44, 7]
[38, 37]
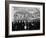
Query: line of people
[25, 25]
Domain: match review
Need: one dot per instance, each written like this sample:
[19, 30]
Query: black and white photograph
[25, 19]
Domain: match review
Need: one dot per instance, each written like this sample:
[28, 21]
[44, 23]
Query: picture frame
[19, 5]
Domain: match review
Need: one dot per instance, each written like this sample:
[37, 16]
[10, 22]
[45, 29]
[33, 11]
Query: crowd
[25, 25]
